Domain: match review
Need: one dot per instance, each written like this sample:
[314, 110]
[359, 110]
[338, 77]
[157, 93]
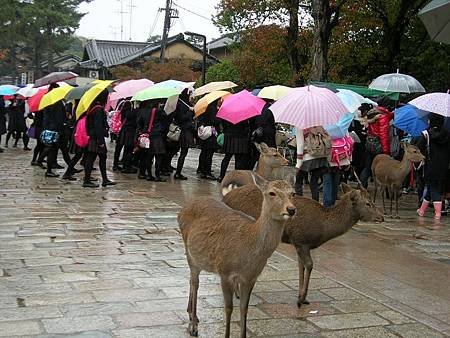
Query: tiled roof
[223, 41]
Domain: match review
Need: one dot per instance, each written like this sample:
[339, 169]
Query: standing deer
[227, 242]
[269, 164]
[389, 174]
[313, 225]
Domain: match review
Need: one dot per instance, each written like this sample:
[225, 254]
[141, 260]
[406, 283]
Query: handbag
[174, 133]
[49, 137]
[31, 132]
[373, 145]
[144, 138]
[205, 132]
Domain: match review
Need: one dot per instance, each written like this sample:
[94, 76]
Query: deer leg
[376, 190]
[192, 306]
[227, 290]
[382, 198]
[391, 199]
[301, 279]
[305, 256]
[236, 288]
[245, 291]
[396, 206]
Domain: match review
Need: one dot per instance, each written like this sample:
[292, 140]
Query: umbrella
[274, 92]
[8, 90]
[174, 84]
[351, 100]
[436, 18]
[309, 106]
[411, 119]
[77, 92]
[398, 83]
[240, 107]
[28, 90]
[214, 86]
[256, 91]
[156, 93]
[33, 101]
[90, 95]
[129, 88]
[340, 129]
[205, 101]
[438, 103]
[54, 77]
[53, 96]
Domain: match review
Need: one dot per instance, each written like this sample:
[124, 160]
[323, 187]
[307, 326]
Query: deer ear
[262, 147]
[290, 179]
[260, 182]
[346, 188]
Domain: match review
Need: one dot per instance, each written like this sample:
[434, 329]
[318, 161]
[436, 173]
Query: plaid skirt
[235, 145]
[187, 138]
[97, 146]
[157, 146]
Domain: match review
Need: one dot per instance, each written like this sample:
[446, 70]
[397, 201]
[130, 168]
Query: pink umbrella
[240, 106]
[309, 106]
[127, 89]
[438, 103]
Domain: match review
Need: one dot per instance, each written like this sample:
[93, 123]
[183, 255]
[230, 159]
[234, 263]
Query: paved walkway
[110, 263]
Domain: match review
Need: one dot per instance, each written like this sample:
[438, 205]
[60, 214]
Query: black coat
[264, 127]
[184, 117]
[208, 118]
[437, 154]
[2, 117]
[97, 125]
[160, 126]
[16, 120]
[54, 117]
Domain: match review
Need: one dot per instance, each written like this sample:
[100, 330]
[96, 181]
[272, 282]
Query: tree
[223, 71]
[154, 39]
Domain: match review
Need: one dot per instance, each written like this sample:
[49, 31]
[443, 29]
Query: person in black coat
[435, 144]
[126, 139]
[16, 123]
[38, 120]
[184, 118]
[2, 119]
[209, 145]
[157, 130]
[236, 142]
[97, 129]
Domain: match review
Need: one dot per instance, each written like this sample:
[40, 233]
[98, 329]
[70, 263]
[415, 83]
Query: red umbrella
[33, 101]
[54, 77]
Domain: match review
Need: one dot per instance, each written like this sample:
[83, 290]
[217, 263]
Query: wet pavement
[110, 262]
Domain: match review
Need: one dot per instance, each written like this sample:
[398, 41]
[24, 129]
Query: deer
[232, 244]
[313, 224]
[389, 174]
[269, 165]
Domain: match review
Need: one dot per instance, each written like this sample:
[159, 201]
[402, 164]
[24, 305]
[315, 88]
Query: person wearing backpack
[313, 150]
[97, 129]
[127, 138]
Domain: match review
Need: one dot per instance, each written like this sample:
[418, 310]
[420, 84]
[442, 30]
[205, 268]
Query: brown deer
[313, 225]
[269, 165]
[389, 174]
[232, 244]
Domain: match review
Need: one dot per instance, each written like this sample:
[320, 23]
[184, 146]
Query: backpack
[395, 141]
[318, 142]
[341, 149]
[81, 136]
[116, 120]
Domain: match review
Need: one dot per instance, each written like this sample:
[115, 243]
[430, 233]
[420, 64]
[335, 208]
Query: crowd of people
[147, 140]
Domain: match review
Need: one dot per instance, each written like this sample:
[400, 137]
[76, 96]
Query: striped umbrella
[309, 106]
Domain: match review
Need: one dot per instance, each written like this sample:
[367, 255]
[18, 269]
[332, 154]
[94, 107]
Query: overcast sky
[103, 19]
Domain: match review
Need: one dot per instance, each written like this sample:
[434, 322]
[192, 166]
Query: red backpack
[341, 149]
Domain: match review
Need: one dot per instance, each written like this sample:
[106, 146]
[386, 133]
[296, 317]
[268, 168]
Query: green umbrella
[155, 93]
[436, 18]
[77, 92]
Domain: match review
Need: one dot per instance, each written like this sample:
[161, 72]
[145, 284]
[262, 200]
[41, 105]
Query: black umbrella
[77, 92]
[54, 77]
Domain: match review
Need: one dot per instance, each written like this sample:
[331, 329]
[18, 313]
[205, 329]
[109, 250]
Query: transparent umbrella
[436, 18]
[397, 82]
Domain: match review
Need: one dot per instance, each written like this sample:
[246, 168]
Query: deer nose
[291, 211]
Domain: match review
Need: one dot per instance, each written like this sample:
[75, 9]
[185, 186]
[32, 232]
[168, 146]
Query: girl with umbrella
[2, 119]
[16, 123]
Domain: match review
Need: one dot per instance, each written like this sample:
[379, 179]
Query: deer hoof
[193, 330]
[300, 302]
[396, 217]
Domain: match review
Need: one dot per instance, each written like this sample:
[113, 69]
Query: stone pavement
[110, 263]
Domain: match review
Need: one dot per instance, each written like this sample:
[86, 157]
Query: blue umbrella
[411, 119]
[340, 129]
[8, 90]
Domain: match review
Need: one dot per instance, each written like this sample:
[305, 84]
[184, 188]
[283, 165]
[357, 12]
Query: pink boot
[423, 208]
[437, 210]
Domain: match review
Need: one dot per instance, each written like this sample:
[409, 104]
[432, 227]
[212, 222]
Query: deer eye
[272, 194]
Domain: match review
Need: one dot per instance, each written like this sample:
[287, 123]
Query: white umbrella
[397, 83]
[436, 18]
[438, 103]
[28, 90]
[213, 86]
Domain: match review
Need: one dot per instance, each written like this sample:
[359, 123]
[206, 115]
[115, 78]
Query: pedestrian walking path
[110, 262]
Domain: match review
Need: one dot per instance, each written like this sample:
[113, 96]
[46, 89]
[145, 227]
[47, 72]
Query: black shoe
[76, 171]
[165, 173]
[51, 174]
[34, 164]
[160, 179]
[69, 178]
[150, 178]
[27, 148]
[90, 184]
[129, 171]
[117, 168]
[108, 183]
[94, 179]
[58, 166]
[180, 177]
[142, 177]
[220, 179]
[40, 164]
[209, 177]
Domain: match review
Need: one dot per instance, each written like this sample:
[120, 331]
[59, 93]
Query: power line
[155, 22]
[188, 10]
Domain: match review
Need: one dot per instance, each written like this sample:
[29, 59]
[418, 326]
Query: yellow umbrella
[202, 104]
[54, 96]
[213, 86]
[274, 92]
[89, 97]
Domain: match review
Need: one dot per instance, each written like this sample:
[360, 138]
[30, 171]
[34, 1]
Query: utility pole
[169, 15]
[203, 37]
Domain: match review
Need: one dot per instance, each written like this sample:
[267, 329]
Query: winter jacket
[160, 122]
[266, 125]
[54, 117]
[184, 117]
[97, 125]
[380, 128]
[437, 153]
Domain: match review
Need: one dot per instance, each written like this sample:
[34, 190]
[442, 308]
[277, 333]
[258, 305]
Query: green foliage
[223, 71]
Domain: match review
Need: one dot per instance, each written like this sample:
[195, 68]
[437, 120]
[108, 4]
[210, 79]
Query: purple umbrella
[54, 77]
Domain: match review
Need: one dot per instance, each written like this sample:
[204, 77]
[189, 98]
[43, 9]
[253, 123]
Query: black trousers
[316, 174]
[37, 150]
[117, 152]
[89, 164]
[73, 162]
[240, 163]
[18, 134]
[205, 161]
[300, 179]
[180, 164]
